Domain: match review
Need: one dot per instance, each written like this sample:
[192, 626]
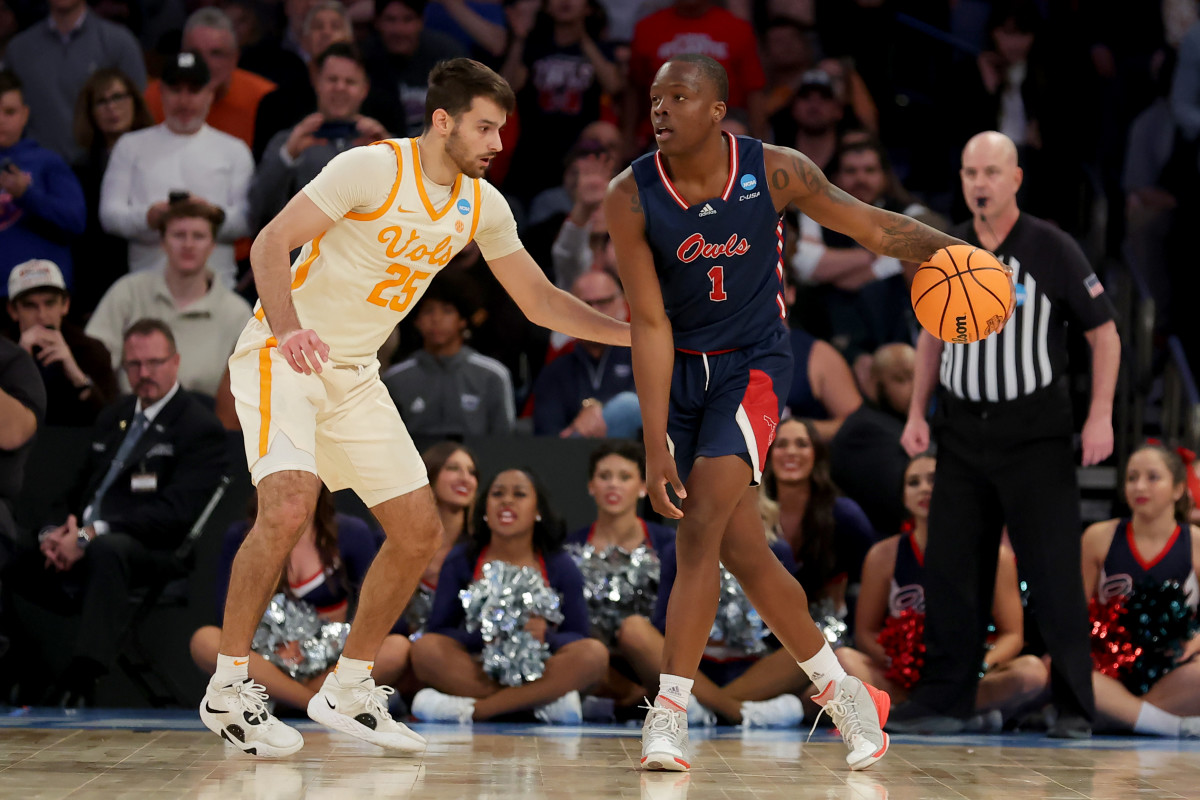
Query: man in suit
[155, 459]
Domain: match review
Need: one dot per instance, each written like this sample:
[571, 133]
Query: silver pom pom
[499, 605]
[416, 614]
[831, 621]
[738, 627]
[617, 584]
[292, 637]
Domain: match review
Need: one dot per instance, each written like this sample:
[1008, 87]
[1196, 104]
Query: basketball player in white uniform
[376, 226]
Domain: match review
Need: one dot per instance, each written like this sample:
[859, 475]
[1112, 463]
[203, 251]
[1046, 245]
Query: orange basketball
[962, 294]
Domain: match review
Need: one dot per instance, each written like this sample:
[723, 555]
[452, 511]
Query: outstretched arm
[653, 340]
[795, 179]
[547, 305]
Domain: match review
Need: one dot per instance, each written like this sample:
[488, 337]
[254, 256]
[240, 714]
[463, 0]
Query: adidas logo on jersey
[707, 210]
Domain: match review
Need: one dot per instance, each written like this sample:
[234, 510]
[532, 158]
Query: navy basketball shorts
[728, 403]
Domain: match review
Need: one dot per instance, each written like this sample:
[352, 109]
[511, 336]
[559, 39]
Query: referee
[1004, 442]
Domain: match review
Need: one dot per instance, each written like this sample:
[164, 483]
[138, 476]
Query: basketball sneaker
[566, 710]
[859, 711]
[361, 710]
[665, 740]
[238, 714]
[430, 705]
[784, 711]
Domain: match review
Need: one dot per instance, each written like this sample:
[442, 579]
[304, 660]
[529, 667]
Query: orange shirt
[233, 112]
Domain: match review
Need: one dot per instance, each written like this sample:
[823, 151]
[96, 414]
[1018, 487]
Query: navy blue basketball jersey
[720, 261]
[1124, 566]
[908, 578]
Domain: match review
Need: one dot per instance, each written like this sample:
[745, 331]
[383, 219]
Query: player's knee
[284, 519]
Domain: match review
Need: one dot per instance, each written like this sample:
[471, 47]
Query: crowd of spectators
[142, 148]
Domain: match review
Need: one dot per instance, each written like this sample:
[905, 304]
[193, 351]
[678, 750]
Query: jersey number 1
[407, 279]
[717, 276]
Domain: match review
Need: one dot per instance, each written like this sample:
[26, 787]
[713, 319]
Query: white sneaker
[859, 711]
[700, 716]
[361, 710]
[665, 740]
[566, 710]
[430, 705]
[784, 711]
[1189, 727]
[238, 714]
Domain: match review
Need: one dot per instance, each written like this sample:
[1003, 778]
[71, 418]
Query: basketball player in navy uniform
[699, 243]
[1121, 556]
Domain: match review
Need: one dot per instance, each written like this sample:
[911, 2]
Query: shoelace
[663, 721]
[253, 697]
[374, 699]
[849, 725]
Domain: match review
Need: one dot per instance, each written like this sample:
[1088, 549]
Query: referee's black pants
[1004, 463]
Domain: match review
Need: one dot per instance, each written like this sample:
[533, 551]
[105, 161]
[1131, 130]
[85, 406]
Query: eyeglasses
[112, 99]
[150, 364]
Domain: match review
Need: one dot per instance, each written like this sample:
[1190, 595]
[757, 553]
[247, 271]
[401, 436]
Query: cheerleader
[893, 583]
[1156, 543]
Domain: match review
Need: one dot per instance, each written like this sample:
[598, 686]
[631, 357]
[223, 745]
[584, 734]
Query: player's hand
[1097, 439]
[304, 351]
[660, 471]
[915, 439]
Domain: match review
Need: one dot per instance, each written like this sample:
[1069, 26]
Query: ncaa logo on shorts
[749, 182]
[464, 207]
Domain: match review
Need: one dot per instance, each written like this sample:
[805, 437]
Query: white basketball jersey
[357, 280]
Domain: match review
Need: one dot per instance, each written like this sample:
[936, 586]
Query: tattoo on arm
[635, 202]
[779, 179]
[908, 240]
[816, 182]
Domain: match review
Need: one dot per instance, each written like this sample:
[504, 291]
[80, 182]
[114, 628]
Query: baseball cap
[35, 274]
[818, 80]
[186, 68]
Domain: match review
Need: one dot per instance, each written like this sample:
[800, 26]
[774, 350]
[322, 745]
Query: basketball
[962, 294]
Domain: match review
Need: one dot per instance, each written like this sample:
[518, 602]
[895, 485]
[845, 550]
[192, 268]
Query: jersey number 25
[409, 282]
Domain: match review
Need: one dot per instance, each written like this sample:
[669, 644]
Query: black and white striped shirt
[1055, 284]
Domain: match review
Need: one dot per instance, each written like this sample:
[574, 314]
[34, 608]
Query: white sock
[674, 692]
[230, 670]
[351, 670]
[823, 667]
[1156, 722]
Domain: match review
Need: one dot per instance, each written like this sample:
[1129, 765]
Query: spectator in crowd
[207, 316]
[728, 688]
[324, 571]
[816, 117]
[863, 297]
[893, 583]
[787, 55]
[561, 69]
[1005, 401]
[76, 369]
[181, 158]
[1156, 543]
[22, 410]
[41, 203]
[865, 457]
[236, 92]
[109, 106]
[597, 139]
[582, 241]
[454, 479]
[515, 525]
[617, 483]
[54, 59]
[8, 28]
[823, 387]
[480, 26]
[829, 534]
[447, 388]
[259, 50]
[588, 390]
[1185, 175]
[156, 457]
[693, 26]
[401, 54]
[295, 155]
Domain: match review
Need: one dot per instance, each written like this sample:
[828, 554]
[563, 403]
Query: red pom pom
[903, 639]
[1112, 647]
